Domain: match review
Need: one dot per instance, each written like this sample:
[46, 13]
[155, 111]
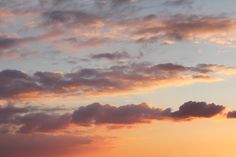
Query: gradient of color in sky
[100, 78]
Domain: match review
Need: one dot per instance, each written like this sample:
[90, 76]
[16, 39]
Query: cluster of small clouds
[83, 28]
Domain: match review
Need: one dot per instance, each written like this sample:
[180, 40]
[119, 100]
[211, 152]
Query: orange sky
[199, 138]
[117, 78]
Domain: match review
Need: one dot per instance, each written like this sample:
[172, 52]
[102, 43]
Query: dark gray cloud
[130, 114]
[8, 112]
[107, 114]
[69, 18]
[52, 3]
[197, 109]
[42, 122]
[10, 42]
[231, 114]
[6, 43]
[111, 56]
[14, 82]
[121, 2]
[178, 2]
[30, 119]
[114, 4]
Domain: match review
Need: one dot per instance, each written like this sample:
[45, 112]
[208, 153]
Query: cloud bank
[114, 80]
[96, 114]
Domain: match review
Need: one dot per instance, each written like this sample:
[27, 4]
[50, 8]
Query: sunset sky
[117, 78]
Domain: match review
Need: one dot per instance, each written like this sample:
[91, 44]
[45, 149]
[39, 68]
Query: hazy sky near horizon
[95, 78]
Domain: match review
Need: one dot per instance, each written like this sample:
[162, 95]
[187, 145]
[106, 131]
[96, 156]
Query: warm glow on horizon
[117, 78]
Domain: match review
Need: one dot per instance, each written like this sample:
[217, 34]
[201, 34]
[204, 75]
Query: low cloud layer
[114, 80]
[22, 145]
[32, 131]
[97, 114]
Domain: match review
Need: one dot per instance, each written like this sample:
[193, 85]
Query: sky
[97, 78]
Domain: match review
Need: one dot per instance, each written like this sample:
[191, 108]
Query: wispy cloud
[83, 28]
[178, 28]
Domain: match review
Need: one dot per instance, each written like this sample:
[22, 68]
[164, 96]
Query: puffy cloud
[142, 113]
[42, 122]
[107, 114]
[231, 114]
[30, 119]
[14, 82]
[197, 109]
[8, 112]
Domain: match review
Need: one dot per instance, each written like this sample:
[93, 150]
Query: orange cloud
[177, 28]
